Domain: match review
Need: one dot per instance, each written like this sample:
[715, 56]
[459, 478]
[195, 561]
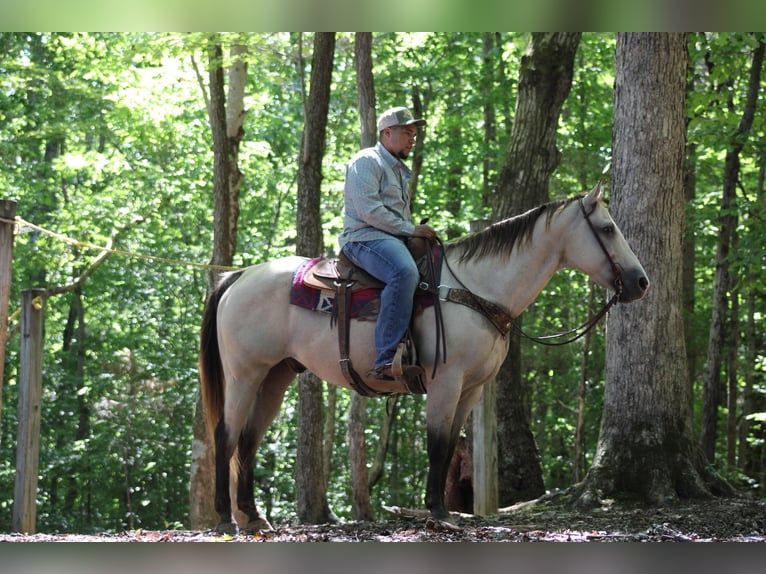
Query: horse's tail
[210, 367]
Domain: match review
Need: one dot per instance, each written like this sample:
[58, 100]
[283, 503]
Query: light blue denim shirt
[376, 204]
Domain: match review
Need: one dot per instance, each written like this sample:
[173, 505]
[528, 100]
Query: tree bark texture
[689, 242]
[417, 150]
[365, 84]
[227, 132]
[727, 223]
[357, 450]
[545, 78]
[646, 446]
[751, 340]
[310, 472]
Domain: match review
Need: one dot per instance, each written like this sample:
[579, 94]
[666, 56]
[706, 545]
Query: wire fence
[20, 223]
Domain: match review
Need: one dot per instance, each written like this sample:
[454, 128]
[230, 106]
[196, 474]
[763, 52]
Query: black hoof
[225, 528]
[260, 524]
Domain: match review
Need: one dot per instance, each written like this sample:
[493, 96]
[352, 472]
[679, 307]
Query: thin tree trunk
[227, 133]
[727, 221]
[579, 438]
[688, 283]
[328, 432]
[357, 450]
[310, 472]
[732, 394]
[751, 350]
[417, 150]
[488, 90]
[545, 78]
[384, 441]
[78, 333]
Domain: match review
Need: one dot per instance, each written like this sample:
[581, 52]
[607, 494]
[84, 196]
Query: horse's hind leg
[262, 413]
[240, 394]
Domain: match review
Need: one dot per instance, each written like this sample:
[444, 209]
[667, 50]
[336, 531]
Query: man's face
[400, 140]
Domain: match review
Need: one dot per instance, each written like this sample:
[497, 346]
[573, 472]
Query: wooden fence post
[485, 490]
[30, 403]
[8, 212]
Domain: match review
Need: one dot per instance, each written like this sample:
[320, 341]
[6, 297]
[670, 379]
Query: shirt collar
[389, 158]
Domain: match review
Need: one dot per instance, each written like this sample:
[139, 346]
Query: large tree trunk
[727, 222]
[310, 471]
[545, 78]
[647, 446]
[227, 180]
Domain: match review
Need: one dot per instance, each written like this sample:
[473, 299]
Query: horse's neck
[514, 282]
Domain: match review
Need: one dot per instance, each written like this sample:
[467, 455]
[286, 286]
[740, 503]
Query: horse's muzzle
[635, 285]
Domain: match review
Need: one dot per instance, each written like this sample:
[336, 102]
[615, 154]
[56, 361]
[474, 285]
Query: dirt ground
[718, 520]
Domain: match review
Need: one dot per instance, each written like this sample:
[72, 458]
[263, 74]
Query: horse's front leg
[447, 407]
[441, 406]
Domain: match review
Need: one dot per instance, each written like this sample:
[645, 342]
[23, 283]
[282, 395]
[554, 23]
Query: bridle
[590, 323]
[587, 325]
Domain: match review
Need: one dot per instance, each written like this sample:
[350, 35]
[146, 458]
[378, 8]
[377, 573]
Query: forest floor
[718, 520]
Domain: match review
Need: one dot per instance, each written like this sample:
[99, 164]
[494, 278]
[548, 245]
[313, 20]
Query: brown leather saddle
[325, 274]
[342, 278]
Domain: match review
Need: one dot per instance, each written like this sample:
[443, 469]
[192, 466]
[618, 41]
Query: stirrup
[411, 376]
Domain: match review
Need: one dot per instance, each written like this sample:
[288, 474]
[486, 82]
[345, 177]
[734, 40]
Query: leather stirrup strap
[441, 339]
[343, 300]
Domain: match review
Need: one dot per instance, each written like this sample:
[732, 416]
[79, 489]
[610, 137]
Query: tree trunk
[310, 471]
[361, 508]
[417, 150]
[579, 438]
[646, 446]
[487, 87]
[732, 393]
[384, 440]
[750, 340]
[75, 335]
[545, 78]
[727, 221]
[365, 84]
[687, 287]
[227, 180]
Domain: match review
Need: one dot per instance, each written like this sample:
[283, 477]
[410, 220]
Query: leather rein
[502, 319]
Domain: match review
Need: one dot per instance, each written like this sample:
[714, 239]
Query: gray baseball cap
[398, 117]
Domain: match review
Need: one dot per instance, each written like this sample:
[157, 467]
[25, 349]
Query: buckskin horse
[253, 341]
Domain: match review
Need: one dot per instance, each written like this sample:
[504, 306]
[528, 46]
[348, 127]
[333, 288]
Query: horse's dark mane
[501, 237]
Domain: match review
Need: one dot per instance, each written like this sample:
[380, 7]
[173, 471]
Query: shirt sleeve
[363, 190]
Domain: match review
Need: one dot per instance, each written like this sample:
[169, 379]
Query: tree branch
[95, 264]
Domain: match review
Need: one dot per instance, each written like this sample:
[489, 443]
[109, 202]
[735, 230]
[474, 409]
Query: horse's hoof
[441, 525]
[260, 524]
[226, 528]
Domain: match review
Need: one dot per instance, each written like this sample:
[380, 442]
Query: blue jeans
[389, 261]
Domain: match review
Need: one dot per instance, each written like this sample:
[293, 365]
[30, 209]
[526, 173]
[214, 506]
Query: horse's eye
[608, 228]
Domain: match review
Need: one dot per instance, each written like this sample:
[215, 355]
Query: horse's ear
[595, 194]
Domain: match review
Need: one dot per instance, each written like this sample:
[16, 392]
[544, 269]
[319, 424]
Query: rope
[19, 222]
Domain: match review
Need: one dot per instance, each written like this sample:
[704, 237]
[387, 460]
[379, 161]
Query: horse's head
[598, 248]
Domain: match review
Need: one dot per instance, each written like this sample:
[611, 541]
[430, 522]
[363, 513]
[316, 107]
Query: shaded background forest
[105, 138]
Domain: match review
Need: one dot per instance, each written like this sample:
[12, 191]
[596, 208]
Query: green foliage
[105, 137]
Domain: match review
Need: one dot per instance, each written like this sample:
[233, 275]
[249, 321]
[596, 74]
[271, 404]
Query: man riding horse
[377, 222]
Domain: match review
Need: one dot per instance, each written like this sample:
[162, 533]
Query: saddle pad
[365, 303]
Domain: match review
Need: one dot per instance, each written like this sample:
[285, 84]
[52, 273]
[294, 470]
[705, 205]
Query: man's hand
[425, 231]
